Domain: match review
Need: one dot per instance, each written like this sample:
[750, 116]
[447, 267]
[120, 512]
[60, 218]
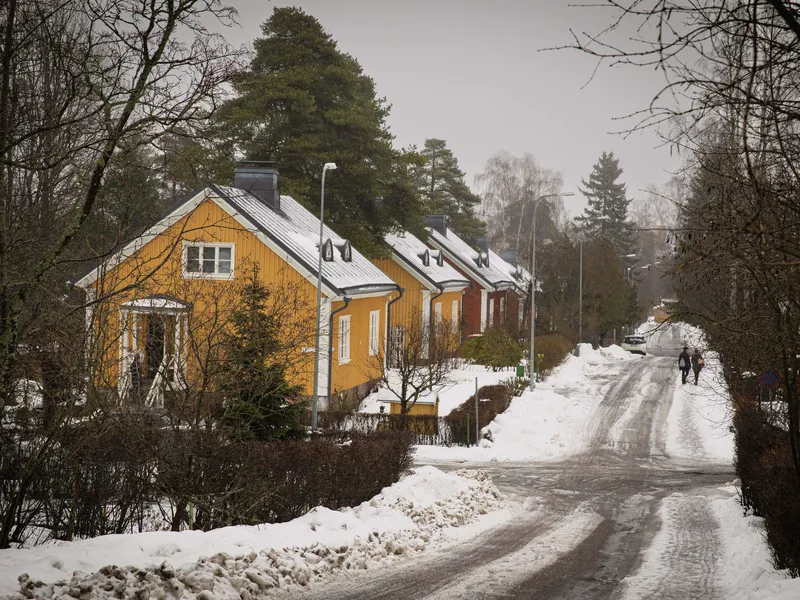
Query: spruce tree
[304, 103]
[259, 402]
[444, 191]
[607, 213]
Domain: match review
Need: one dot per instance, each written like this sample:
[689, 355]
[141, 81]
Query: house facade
[488, 302]
[164, 298]
[432, 289]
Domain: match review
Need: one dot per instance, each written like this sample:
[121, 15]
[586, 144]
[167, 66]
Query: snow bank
[698, 426]
[248, 562]
[548, 423]
[745, 568]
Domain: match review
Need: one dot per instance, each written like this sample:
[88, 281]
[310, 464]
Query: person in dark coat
[684, 363]
[697, 364]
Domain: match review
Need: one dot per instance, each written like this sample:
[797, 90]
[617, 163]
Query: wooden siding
[362, 367]
[417, 409]
[157, 268]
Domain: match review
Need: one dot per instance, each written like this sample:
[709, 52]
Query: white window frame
[202, 245]
[454, 315]
[374, 332]
[344, 340]
[491, 313]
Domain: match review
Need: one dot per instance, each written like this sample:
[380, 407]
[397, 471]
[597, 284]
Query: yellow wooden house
[162, 298]
[431, 296]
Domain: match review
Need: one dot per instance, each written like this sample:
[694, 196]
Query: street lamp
[328, 167]
[532, 358]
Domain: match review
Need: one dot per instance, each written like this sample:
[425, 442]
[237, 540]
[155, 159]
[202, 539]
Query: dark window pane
[224, 266]
[209, 252]
[193, 259]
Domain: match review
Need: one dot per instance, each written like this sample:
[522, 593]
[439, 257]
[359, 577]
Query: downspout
[347, 300]
[463, 319]
[430, 312]
[388, 338]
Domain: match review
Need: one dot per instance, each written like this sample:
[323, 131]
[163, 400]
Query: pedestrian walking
[684, 363]
[697, 364]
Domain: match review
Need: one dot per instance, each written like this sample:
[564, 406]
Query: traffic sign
[769, 377]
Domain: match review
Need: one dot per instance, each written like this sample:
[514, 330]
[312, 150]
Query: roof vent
[437, 223]
[260, 178]
[345, 250]
[327, 251]
[425, 257]
[437, 254]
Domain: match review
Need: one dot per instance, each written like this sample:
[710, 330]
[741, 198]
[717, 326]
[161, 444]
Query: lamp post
[326, 168]
[532, 358]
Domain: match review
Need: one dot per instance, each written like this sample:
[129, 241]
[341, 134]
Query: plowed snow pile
[251, 562]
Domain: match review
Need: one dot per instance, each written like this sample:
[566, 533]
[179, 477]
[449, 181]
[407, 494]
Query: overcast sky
[473, 73]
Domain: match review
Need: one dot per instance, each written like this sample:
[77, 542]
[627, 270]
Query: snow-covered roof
[466, 257]
[520, 275]
[410, 250]
[292, 231]
[296, 230]
[156, 303]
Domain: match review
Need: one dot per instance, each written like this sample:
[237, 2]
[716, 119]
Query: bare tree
[419, 362]
[81, 78]
[509, 186]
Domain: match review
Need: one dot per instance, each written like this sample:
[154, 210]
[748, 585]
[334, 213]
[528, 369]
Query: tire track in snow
[681, 562]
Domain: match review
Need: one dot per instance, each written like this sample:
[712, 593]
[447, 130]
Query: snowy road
[626, 517]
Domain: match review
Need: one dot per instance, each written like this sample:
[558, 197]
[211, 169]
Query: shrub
[106, 477]
[769, 482]
[554, 348]
[495, 348]
[493, 400]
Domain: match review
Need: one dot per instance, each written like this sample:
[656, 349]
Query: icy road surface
[630, 515]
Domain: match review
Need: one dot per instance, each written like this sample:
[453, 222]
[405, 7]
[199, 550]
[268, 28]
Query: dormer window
[425, 257]
[327, 251]
[345, 251]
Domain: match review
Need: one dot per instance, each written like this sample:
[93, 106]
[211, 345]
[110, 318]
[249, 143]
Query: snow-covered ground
[421, 509]
[550, 422]
[729, 560]
[459, 386]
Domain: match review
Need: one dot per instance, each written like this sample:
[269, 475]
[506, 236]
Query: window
[491, 312]
[374, 332]
[502, 311]
[344, 339]
[437, 310]
[454, 315]
[213, 261]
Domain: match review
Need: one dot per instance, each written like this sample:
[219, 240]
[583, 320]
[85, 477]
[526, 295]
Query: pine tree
[607, 213]
[259, 401]
[444, 191]
[304, 103]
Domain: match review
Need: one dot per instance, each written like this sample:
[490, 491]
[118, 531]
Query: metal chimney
[259, 177]
[437, 223]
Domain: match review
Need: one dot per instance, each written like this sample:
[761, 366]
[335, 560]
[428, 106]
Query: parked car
[635, 344]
